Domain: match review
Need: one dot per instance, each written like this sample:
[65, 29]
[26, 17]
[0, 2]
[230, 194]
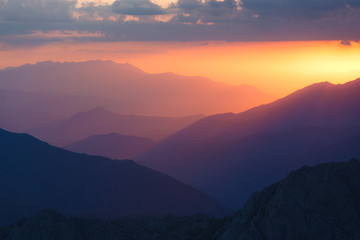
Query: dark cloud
[345, 42]
[137, 7]
[353, 3]
[186, 5]
[298, 8]
[209, 11]
[187, 20]
[36, 10]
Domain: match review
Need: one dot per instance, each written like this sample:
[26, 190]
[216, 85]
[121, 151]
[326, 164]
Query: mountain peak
[98, 109]
[320, 202]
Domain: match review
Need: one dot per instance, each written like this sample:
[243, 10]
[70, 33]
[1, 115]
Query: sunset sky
[275, 45]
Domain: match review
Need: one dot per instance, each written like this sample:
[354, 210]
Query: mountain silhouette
[233, 155]
[321, 202]
[35, 175]
[128, 90]
[101, 121]
[22, 111]
[112, 145]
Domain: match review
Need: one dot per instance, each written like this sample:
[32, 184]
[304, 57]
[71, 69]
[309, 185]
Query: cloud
[137, 7]
[36, 10]
[209, 11]
[183, 20]
[295, 9]
[345, 42]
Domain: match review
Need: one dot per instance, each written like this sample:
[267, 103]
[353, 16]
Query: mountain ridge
[215, 142]
[129, 90]
[112, 145]
[35, 175]
[318, 202]
[99, 120]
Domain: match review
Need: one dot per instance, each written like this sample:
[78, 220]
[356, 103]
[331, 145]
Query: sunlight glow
[275, 67]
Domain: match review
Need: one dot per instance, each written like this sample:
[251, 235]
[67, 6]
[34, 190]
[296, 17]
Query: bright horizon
[278, 68]
[278, 46]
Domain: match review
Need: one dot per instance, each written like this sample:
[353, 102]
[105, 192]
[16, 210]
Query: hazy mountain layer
[25, 110]
[35, 175]
[128, 90]
[233, 155]
[112, 145]
[101, 121]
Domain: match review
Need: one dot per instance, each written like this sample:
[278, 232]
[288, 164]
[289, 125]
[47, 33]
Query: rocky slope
[321, 202]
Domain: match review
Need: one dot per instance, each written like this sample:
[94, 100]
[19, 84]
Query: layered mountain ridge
[35, 175]
[126, 89]
[233, 155]
[320, 202]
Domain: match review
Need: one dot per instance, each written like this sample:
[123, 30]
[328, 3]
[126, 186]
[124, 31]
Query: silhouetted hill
[36, 175]
[321, 202]
[101, 121]
[49, 225]
[321, 104]
[112, 145]
[25, 110]
[132, 91]
[233, 155]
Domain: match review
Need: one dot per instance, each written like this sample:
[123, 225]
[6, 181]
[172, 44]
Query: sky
[275, 45]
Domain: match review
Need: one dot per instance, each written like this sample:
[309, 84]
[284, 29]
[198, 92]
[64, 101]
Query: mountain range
[125, 89]
[102, 121]
[35, 175]
[112, 145]
[23, 110]
[229, 156]
[321, 202]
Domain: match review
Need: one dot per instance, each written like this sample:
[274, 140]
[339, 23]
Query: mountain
[101, 121]
[25, 110]
[321, 202]
[48, 225]
[35, 175]
[132, 91]
[112, 145]
[233, 155]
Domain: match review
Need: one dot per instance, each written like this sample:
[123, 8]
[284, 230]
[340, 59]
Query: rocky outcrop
[312, 203]
[321, 202]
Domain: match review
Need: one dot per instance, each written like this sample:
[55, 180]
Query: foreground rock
[321, 202]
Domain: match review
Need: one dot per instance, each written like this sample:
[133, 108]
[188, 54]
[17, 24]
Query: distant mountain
[101, 121]
[132, 91]
[35, 175]
[233, 155]
[112, 145]
[321, 202]
[24, 110]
